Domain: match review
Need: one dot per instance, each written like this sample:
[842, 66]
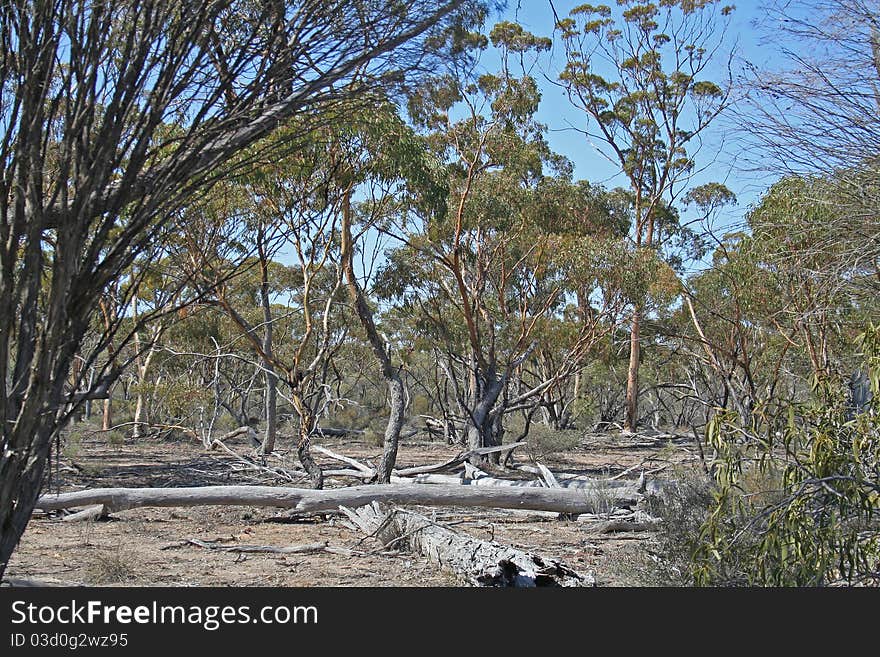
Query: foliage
[637, 73]
[820, 526]
[183, 236]
[543, 442]
[682, 508]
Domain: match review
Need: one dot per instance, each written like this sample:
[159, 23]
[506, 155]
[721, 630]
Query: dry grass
[118, 566]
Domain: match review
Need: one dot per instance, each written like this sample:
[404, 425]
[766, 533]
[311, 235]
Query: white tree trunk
[559, 500]
[476, 562]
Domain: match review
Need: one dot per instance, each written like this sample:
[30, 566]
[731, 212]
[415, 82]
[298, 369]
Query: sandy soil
[147, 547]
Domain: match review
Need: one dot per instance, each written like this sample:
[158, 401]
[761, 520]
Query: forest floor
[148, 547]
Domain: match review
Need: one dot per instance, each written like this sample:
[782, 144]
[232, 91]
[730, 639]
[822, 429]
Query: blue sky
[718, 154]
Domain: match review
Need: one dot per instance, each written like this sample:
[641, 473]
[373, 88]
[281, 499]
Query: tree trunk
[558, 500]
[138, 415]
[305, 455]
[268, 445]
[21, 476]
[632, 375]
[87, 413]
[476, 562]
[271, 410]
[396, 391]
[483, 424]
[107, 418]
[393, 428]
[141, 415]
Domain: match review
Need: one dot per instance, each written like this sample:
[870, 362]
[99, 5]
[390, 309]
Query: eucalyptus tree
[92, 174]
[378, 157]
[639, 76]
[782, 324]
[812, 111]
[290, 208]
[484, 274]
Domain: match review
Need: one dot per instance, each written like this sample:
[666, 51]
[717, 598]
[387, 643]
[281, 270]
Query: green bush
[542, 441]
[684, 508]
[115, 438]
[818, 524]
[71, 443]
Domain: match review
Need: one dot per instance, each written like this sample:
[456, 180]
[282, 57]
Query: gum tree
[640, 76]
[485, 275]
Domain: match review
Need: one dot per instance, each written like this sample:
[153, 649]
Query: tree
[816, 114]
[796, 490]
[116, 113]
[488, 271]
[812, 519]
[638, 77]
[383, 158]
[816, 109]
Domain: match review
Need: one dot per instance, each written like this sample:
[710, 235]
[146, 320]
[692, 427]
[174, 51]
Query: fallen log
[241, 431]
[597, 486]
[311, 501]
[89, 513]
[437, 467]
[429, 478]
[560, 476]
[477, 562]
[352, 474]
[357, 465]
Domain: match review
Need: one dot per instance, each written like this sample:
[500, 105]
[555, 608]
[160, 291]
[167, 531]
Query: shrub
[115, 567]
[71, 443]
[819, 525]
[542, 441]
[115, 438]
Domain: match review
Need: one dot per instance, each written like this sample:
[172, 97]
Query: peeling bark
[474, 561]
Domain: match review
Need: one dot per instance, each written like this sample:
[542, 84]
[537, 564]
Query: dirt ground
[147, 547]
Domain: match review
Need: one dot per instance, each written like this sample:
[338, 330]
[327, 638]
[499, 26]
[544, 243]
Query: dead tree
[306, 500]
[476, 562]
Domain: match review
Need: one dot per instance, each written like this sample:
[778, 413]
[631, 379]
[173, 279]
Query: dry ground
[142, 547]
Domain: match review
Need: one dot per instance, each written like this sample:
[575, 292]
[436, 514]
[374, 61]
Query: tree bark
[304, 453]
[476, 562]
[87, 413]
[142, 365]
[21, 476]
[482, 427]
[141, 412]
[271, 378]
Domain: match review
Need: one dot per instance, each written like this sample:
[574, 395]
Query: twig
[278, 472]
[310, 548]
